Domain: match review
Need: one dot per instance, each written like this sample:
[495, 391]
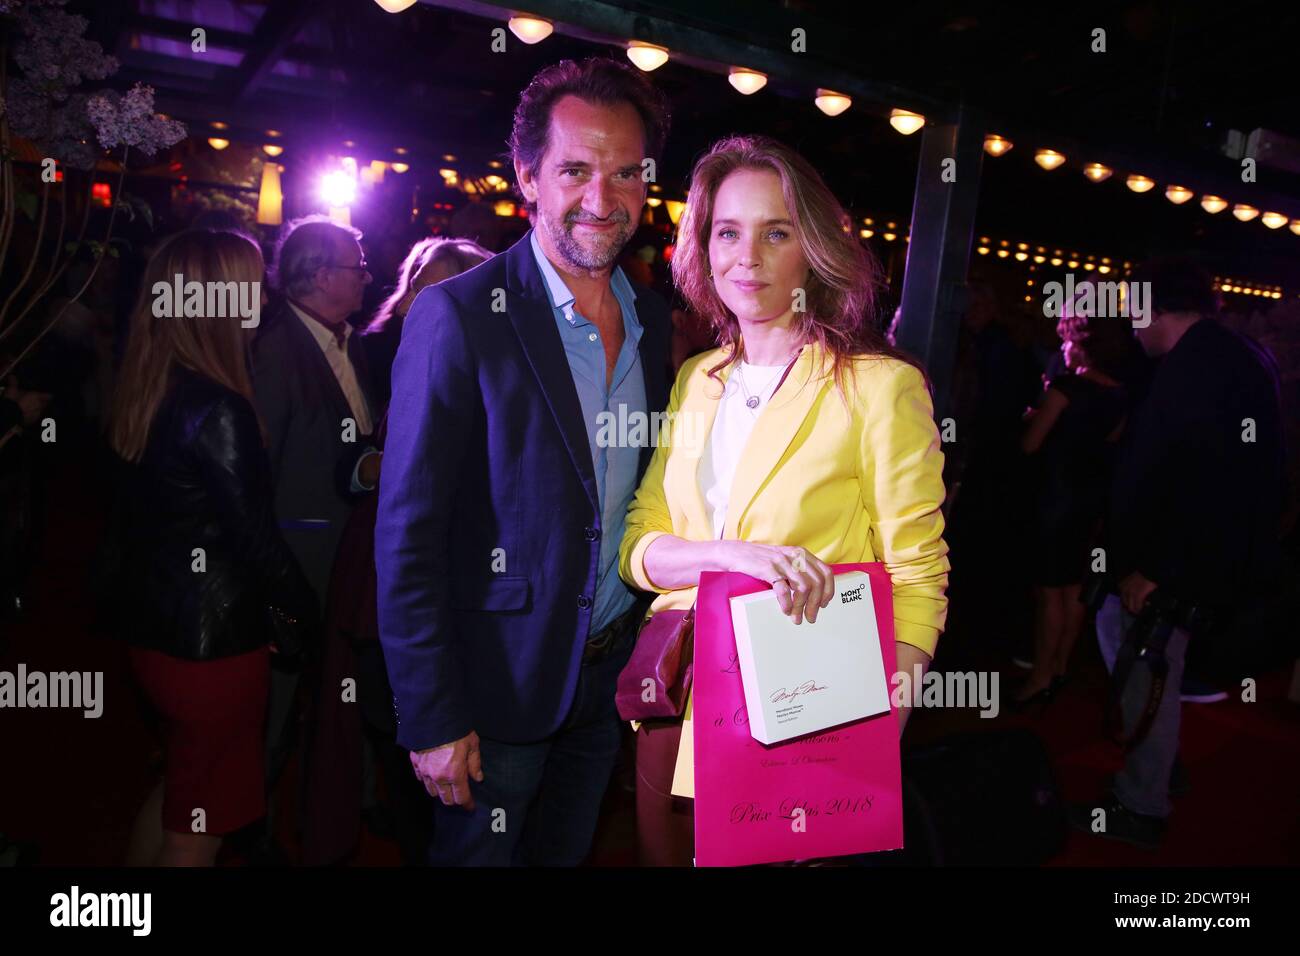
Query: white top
[731, 428]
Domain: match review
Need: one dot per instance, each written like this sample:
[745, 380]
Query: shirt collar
[558, 292]
[322, 333]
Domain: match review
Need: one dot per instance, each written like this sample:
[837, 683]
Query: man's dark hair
[1177, 285]
[596, 80]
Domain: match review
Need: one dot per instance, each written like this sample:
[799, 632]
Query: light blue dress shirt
[615, 466]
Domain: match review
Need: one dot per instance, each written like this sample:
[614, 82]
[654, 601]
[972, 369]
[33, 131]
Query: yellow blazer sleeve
[901, 466]
[647, 515]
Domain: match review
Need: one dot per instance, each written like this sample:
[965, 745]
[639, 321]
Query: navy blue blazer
[488, 533]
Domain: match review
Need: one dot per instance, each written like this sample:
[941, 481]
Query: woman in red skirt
[205, 584]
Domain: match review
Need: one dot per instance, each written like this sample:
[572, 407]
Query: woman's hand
[804, 584]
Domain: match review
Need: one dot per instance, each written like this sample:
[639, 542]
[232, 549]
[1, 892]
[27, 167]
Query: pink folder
[845, 780]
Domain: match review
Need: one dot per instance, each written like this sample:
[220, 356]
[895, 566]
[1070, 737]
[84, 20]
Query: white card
[802, 679]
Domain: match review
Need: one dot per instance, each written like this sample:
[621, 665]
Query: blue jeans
[1143, 784]
[539, 802]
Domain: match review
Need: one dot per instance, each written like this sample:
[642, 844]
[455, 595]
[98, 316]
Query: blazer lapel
[690, 436]
[317, 367]
[530, 313]
[773, 432]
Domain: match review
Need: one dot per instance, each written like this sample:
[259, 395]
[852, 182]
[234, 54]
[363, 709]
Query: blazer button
[591, 534]
[584, 602]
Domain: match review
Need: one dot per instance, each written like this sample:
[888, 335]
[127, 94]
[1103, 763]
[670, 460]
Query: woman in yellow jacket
[805, 440]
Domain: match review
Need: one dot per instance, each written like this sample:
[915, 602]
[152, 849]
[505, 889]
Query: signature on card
[807, 687]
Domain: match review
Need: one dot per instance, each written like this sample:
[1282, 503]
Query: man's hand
[445, 770]
[1134, 591]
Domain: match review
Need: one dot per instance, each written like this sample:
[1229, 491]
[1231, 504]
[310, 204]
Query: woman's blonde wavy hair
[215, 347]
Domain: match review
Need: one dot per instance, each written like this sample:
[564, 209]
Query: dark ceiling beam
[228, 39]
[184, 30]
[184, 69]
[273, 35]
[195, 88]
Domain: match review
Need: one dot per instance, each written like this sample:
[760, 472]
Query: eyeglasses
[363, 267]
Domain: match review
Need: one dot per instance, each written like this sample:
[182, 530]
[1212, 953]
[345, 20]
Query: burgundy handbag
[657, 678]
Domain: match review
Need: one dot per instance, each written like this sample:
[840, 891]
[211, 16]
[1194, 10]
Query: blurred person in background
[1195, 515]
[312, 388]
[429, 261]
[1069, 441]
[195, 485]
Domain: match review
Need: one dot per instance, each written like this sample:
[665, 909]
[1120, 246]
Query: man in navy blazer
[503, 494]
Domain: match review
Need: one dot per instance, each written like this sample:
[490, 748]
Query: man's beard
[600, 251]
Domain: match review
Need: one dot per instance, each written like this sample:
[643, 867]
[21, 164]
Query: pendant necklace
[752, 401]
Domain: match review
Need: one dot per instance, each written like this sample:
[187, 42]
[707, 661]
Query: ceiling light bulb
[746, 81]
[996, 145]
[832, 103]
[905, 121]
[530, 29]
[646, 56]
[1048, 158]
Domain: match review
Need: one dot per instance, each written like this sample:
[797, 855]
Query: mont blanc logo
[853, 594]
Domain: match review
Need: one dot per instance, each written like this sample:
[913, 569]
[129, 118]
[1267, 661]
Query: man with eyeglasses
[314, 396]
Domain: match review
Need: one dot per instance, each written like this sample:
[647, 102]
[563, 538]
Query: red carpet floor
[71, 785]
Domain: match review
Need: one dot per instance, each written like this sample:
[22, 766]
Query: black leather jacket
[204, 482]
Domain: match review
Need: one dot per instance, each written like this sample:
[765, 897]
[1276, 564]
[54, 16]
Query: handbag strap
[1152, 653]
